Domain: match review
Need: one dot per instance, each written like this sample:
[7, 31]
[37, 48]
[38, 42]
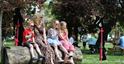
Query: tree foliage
[8, 6]
[82, 10]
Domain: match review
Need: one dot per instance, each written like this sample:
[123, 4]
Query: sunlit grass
[94, 58]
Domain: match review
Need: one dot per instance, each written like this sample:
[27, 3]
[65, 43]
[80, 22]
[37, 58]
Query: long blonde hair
[63, 25]
[63, 28]
[37, 20]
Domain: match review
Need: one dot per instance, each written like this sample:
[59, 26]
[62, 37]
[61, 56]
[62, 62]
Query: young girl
[63, 35]
[29, 41]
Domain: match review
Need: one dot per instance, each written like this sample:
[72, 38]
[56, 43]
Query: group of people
[56, 37]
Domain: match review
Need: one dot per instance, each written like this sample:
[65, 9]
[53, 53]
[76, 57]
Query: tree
[83, 11]
[1, 43]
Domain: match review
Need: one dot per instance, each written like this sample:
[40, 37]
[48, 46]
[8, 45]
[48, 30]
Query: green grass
[91, 58]
[9, 43]
[94, 58]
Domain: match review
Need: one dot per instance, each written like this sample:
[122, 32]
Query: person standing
[105, 26]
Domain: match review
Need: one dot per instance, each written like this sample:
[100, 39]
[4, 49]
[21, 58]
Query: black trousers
[97, 46]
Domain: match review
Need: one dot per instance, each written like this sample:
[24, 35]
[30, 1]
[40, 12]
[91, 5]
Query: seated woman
[53, 40]
[63, 35]
[40, 38]
[29, 41]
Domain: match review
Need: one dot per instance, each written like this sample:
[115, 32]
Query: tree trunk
[18, 55]
[1, 15]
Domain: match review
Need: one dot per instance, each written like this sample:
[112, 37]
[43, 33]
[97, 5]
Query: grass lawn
[94, 58]
[91, 58]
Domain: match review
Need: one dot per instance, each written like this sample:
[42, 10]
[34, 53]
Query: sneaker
[104, 58]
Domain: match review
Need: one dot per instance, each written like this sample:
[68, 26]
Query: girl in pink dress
[63, 35]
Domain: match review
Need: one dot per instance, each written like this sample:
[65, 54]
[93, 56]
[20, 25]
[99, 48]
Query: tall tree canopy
[82, 10]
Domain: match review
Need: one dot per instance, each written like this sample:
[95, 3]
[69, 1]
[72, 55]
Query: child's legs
[71, 57]
[63, 49]
[65, 58]
[37, 49]
[57, 52]
[31, 50]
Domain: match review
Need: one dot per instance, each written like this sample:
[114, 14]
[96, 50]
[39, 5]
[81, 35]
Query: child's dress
[65, 42]
[53, 37]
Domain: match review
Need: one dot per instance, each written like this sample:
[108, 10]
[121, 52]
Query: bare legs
[57, 53]
[32, 50]
[71, 57]
[38, 49]
[63, 49]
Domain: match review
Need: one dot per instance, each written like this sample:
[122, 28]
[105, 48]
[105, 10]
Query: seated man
[121, 41]
[29, 41]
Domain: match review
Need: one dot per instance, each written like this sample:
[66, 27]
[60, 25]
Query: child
[63, 35]
[29, 41]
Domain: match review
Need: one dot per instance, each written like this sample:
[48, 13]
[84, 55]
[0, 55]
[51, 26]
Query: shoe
[41, 58]
[92, 52]
[70, 57]
[104, 58]
[34, 58]
[61, 60]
